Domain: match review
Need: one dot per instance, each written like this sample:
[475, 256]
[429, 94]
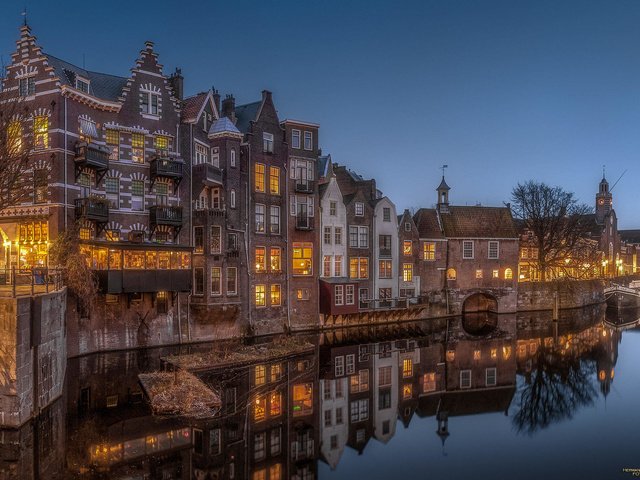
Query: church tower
[604, 200]
[443, 196]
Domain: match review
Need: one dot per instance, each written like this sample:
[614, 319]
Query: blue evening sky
[501, 91]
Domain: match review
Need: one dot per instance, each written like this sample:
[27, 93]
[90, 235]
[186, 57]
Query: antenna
[618, 179]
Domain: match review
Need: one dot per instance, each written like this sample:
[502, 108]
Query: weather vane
[24, 14]
[442, 168]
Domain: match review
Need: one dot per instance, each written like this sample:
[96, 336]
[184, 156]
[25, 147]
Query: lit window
[495, 273]
[85, 233]
[267, 142]
[260, 296]
[215, 240]
[429, 382]
[494, 250]
[429, 251]
[359, 209]
[406, 247]
[302, 294]
[198, 239]
[407, 272]
[508, 274]
[326, 266]
[137, 147]
[359, 382]
[261, 260]
[295, 138]
[275, 404]
[275, 295]
[308, 140]
[467, 249]
[477, 354]
[478, 274]
[451, 274]
[407, 368]
[274, 180]
[259, 173]
[112, 138]
[216, 280]
[358, 267]
[407, 391]
[302, 258]
[384, 268]
[276, 372]
[275, 257]
[161, 142]
[260, 374]
[41, 131]
[259, 408]
[302, 399]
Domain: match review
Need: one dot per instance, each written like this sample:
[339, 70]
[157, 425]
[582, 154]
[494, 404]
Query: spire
[443, 194]
[24, 14]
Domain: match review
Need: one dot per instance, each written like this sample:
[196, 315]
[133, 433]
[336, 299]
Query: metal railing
[29, 281]
[392, 303]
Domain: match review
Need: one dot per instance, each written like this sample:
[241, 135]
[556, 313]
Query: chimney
[216, 99]
[176, 80]
[229, 108]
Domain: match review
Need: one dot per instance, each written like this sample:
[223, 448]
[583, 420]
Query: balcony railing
[304, 186]
[94, 209]
[207, 174]
[385, 253]
[304, 222]
[165, 215]
[93, 156]
[208, 213]
[165, 167]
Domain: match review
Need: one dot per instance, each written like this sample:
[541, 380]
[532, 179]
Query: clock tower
[604, 200]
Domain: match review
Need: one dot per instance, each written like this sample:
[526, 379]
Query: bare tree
[560, 228]
[16, 141]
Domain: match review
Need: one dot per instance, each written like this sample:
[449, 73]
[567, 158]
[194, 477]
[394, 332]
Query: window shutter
[292, 205]
[310, 206]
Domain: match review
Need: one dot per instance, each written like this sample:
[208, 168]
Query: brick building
[106, 159]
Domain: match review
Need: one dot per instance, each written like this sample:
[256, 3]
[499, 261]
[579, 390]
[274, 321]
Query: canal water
[500, 397]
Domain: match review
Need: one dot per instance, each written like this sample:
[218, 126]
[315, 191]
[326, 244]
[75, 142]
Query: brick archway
[480, 302]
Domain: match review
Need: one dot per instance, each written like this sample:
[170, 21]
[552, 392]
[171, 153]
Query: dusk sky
[500, 91]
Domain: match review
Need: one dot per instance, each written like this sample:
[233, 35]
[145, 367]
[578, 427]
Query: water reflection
[280, 417]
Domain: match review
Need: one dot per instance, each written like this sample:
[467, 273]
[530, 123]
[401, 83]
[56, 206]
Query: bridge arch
[480, 302]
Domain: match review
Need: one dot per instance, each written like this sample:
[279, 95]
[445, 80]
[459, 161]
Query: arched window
[508, 274]
[451, 274]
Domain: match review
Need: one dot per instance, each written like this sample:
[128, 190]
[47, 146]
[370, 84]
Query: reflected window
[302, 399]
[259, 408]
[465, 379]
[429, 382]
[275, 404]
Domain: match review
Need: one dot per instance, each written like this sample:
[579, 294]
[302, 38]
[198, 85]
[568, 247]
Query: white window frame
[490, 371]
[493, 244]
[465, 245]
[338, 295]
[465, 378]
[359, 209]
[350, 364]
[349, 294]
[338, 368]
[308, 140]
[295, 138]
[267, 142]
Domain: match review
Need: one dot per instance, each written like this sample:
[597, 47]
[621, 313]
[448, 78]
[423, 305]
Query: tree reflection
[557, 386]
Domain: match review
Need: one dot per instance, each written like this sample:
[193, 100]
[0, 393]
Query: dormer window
[82, 84]
[27, 86]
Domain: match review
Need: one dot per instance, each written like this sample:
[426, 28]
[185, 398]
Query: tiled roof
[223, 125]
[191, 106]
[101, 85]
[478, 222]
[426, 220]
[245, 114]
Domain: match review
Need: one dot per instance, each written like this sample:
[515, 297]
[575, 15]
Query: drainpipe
[65, 164]
[246, 236]
[285, 209]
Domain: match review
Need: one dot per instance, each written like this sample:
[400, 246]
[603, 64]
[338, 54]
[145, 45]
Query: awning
[88, 128]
